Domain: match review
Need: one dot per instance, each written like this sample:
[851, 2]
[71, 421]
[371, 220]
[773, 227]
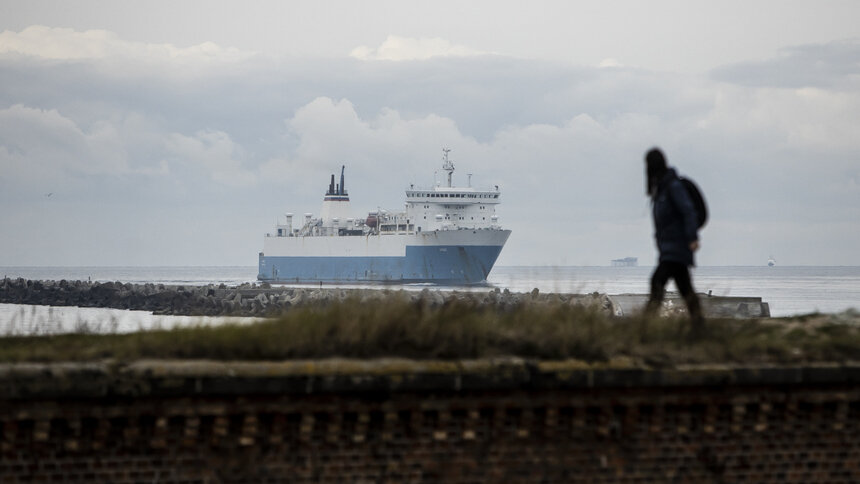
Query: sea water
[788, 290]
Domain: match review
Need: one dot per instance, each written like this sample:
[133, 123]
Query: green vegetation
[465, 329]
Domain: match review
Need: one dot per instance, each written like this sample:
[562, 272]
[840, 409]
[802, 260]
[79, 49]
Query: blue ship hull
[439, 264]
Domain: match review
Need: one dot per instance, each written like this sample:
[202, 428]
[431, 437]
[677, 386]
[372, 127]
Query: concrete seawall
[394, 420]
[266, 300]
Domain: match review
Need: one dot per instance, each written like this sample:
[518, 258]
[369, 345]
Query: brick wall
[181, 426]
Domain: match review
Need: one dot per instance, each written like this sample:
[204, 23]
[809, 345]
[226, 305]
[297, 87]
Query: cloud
[396, 48]
[68, 44]
[561, 166]
[805, 118]
[214, 154]
[610, 62]
[328, 133]
[44, 143]
[246, 141]
[44, 146]
[834, 65]
[329, 129]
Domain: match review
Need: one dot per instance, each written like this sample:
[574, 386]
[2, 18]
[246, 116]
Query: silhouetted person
[675, 228]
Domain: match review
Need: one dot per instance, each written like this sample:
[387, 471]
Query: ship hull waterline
[425, 260]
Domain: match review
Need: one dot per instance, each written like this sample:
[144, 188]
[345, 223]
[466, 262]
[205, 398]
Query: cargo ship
[446, 235]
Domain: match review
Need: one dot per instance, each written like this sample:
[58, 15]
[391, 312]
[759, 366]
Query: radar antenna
[448, 165]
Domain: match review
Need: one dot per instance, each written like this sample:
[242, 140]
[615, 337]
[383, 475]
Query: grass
[466, 329]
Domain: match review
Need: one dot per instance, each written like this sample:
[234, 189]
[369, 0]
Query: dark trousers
[681, 274]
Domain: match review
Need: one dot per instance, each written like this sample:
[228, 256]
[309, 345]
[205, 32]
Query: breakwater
[395, 420]
[246, 299]
[268, 300]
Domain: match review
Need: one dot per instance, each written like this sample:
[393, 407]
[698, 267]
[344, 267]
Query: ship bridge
[450, 207]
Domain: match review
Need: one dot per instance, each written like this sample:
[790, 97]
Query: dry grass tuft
[465, 329]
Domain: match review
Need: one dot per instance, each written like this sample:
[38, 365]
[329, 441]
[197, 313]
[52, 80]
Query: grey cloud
[218, 153]
[834, 65]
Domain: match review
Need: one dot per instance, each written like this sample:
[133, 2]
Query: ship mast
[448, 165]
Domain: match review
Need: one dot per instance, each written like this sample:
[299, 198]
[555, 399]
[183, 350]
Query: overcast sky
[175, 133]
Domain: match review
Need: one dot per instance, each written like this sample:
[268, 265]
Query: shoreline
[248, 299]
[266, 300]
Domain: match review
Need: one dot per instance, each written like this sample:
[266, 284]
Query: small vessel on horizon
[771, 261]
[625, 262]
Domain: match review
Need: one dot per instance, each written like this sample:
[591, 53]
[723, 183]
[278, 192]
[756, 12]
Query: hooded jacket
[674, 220]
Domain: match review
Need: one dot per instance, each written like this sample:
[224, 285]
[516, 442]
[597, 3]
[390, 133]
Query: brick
[629, 435]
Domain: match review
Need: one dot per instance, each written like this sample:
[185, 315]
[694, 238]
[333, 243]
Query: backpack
[698, 201]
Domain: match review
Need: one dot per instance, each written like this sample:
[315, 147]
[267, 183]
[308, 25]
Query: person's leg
[681, 274]
[658, 288]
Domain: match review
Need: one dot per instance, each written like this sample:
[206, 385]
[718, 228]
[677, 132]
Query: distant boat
[625, 262]
[771, 261]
